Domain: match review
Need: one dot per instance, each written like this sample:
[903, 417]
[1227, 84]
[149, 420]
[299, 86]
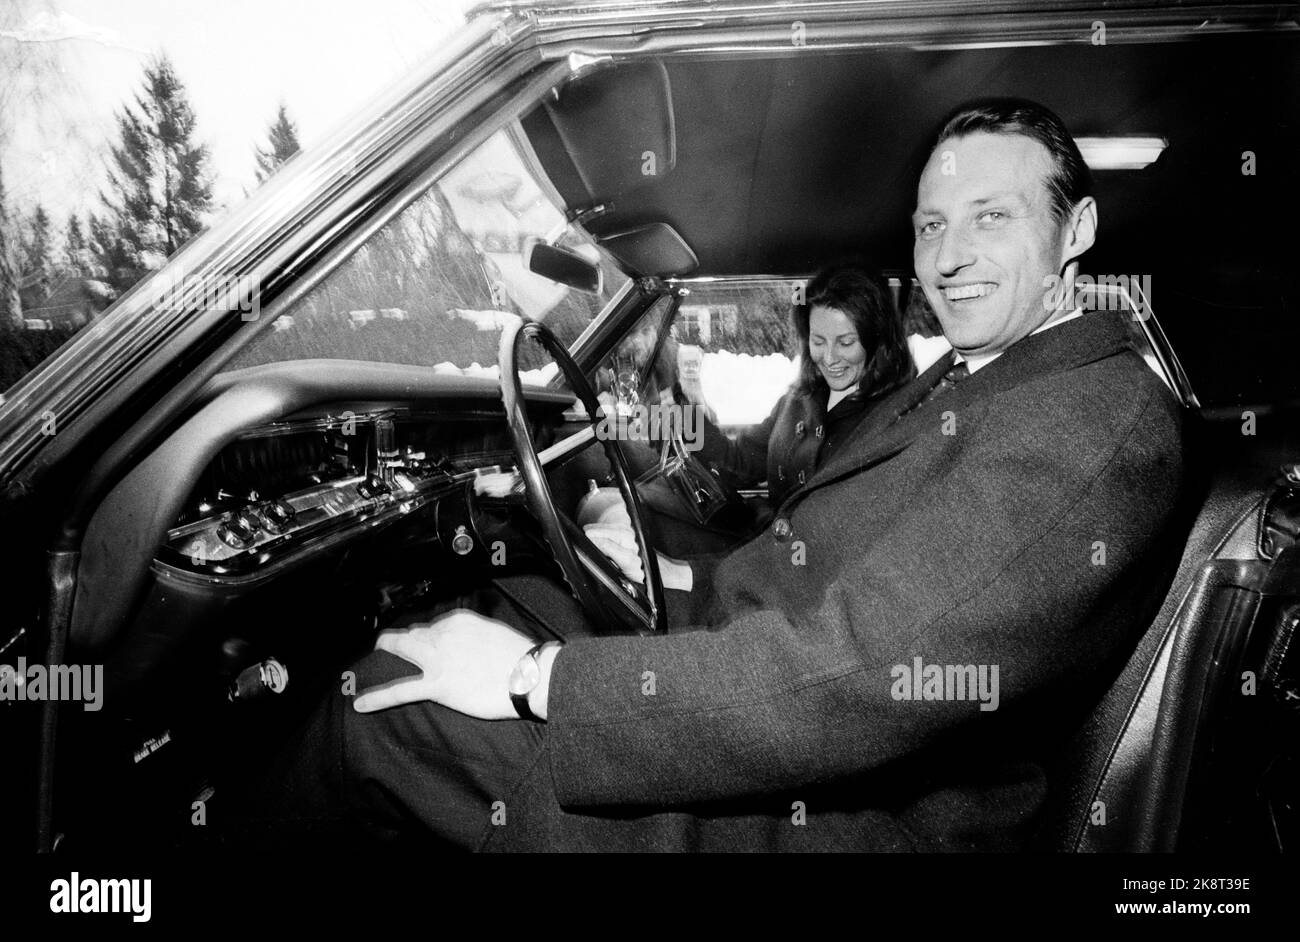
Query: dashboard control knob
[276, 516]
[462, 543]
[239, 531]
[386, 440]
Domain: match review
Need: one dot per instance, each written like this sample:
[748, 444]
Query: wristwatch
[524, 678]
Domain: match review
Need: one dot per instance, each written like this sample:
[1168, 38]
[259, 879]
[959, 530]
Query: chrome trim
[579, 347]
[1167, 364]
[673, 27]
[736, 279]
[630, 599]
[567, 446]
[330, 420]
[344, 530]
[297, 546]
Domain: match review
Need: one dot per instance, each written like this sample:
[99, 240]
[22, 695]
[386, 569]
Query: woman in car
[852, 352]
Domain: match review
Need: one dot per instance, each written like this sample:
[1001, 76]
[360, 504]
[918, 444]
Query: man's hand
[466, 661]
[615, 538]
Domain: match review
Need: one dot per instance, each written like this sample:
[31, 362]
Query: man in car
[889, 666]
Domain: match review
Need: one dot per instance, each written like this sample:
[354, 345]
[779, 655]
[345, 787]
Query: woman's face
[835, 348]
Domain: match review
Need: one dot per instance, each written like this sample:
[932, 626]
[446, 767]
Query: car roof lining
[781, 165]
[825, 168]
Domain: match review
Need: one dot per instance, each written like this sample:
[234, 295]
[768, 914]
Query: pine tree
[76, 253]
[37, 263]
[159, 181]
[282, 141]
[11, 304]
[112, 256]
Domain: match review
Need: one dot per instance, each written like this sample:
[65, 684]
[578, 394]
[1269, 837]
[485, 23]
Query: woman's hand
[615, 538]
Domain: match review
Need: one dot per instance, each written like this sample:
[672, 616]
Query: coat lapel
[895, 422]
[902, 401]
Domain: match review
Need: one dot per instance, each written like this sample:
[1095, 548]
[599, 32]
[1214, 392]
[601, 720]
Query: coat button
[780, 472]
[781, 528]
[800, 475]
[798, 428]
[821, 430]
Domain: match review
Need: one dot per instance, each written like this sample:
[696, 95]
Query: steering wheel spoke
[609, 597]
[618, 586]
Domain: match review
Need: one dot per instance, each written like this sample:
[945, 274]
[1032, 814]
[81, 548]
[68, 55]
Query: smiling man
[1003, 201]
[954, 537]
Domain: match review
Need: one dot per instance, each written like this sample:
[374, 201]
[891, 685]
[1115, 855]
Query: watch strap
[520, 700]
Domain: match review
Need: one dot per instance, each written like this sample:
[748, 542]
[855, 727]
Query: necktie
[954, 375]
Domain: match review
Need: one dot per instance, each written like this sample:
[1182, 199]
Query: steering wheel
[608, 596]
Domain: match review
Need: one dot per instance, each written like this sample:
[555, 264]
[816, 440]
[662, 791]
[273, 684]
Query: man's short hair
[1070, 179]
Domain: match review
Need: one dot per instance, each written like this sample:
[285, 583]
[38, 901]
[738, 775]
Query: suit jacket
[1025, 521]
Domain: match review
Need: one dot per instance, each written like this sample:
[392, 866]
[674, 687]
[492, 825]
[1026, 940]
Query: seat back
[1124, 774]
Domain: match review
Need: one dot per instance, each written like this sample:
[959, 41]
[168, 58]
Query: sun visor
[654, 249]
[617, 127]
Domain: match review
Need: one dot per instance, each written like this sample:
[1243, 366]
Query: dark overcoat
[1023, 521]
[786, 448]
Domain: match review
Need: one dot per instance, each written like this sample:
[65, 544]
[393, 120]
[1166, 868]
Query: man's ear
[1080, 230]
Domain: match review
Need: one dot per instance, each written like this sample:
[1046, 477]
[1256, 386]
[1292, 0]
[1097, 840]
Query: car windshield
[435, 286]
[432, 288]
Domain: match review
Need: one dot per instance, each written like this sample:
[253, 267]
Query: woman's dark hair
[918, 317]
[862, 296]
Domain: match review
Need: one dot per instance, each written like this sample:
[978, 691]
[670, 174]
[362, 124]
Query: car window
[435, 286]
[737, 348]
[733, 347]
[639, 367]
[730, 345]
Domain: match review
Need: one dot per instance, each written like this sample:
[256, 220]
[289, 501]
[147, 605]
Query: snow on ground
[926, 350]
[538, 377]
[742, 388]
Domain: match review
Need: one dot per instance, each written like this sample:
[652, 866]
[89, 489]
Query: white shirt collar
[976, 363]
[835, 398]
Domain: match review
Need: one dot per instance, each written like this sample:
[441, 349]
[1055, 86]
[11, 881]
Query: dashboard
[284, 490]
[279, 472]
[294, 513]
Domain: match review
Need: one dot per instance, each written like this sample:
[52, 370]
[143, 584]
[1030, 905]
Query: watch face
[524, 676]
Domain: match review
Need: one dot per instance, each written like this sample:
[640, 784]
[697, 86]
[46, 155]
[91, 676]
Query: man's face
[987, 244]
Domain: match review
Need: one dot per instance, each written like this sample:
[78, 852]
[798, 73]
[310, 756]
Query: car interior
[319, 487]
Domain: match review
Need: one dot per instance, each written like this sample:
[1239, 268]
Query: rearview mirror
[562, 266]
